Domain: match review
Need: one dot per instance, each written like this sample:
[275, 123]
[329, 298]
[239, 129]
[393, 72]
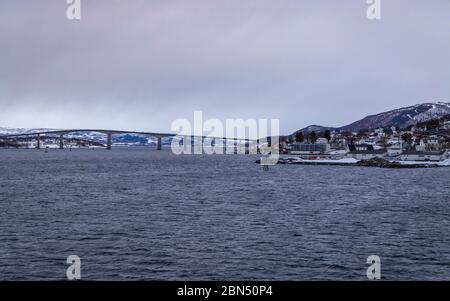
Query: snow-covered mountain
[13, 131]
[401, 118]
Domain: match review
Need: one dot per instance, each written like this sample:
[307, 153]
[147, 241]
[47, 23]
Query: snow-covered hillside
[401, 118]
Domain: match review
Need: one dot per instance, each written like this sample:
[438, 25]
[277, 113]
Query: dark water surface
[143, 214]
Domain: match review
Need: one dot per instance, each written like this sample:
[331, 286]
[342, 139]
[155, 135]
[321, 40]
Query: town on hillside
[424, 141]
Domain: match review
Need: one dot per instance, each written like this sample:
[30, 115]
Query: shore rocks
[379, 162]
[374, 162]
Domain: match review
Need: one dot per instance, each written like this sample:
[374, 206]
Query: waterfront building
[395, 150]
[367, 154]
[423, 156]
[360, 147]
[309, 148]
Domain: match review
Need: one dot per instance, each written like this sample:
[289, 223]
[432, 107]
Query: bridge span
[39, 135]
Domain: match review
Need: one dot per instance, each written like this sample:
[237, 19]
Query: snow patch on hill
[402, 117]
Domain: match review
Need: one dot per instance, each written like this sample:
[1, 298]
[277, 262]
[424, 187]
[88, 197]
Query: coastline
[382, 163]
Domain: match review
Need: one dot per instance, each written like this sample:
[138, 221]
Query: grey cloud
[139, 64]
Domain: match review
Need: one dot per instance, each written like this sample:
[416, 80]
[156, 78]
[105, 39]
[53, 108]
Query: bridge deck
[114, 132]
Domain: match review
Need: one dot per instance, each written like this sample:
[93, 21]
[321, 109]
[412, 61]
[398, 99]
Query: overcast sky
[139, 64]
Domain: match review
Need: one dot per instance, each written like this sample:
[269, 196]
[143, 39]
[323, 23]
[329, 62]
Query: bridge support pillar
[192, 143]
[109, 141]
[196, 144]
[159, 145]
[38, 143]
[61, 141]
[186, 144]
[224, 142]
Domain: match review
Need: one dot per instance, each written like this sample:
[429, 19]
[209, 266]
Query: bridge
[59, 134]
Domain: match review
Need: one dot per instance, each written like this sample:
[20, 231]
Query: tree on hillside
[299, 137]
[287, 139]
[407, 137]
[327, 135]
[362, 133]
[346, 134]
[312, 137]
[387, 131]
[384, 141]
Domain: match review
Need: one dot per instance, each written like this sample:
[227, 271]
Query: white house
[395, 150]
[338, 154]
[379, 131]
[432, 140]
[321, 140]
[431, 143]
[394, 130]
[447, 125]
